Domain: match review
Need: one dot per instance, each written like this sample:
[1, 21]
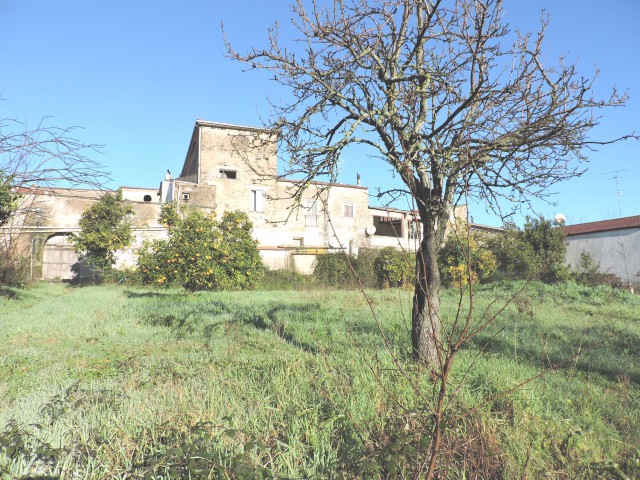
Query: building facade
[229, 167]
[615, 244]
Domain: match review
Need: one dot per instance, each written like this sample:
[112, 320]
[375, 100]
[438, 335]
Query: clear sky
[136, 74]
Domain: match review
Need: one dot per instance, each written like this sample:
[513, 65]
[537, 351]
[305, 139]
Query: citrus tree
[202, 253]
[105, 227]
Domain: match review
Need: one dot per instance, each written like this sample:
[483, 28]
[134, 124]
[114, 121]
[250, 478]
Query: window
[387, 226]
[147, 198]
[347, 210]
[229, 174]
[256, 200]
[311, 213]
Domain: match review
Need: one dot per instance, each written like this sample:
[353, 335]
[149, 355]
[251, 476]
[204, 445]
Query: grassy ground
[116, 382]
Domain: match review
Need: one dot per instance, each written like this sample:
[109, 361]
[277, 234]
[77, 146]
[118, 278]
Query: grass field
[117, 382]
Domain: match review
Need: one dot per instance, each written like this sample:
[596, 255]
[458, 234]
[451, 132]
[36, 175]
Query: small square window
[229, 174]
[347, 211]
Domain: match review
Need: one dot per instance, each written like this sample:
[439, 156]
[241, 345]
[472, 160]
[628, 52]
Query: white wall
[618, 251]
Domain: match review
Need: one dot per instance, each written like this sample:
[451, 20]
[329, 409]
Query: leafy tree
[444, 92]
[466, 252]
[537, 251]
[104, 229]
[203, 253]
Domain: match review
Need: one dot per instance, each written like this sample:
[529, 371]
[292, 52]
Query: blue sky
[136, 74]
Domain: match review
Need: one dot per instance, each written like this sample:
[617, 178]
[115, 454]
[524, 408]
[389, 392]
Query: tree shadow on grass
[155, 294]
[199, 318]
[271, 320]
[9, 293]
[545, 349]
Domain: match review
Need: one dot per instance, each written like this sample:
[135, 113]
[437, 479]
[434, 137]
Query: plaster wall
[134, 194]
[58, 215]
[618, 251]
[235, 161]
[325, 224]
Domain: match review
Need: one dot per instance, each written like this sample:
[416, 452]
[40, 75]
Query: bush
[202, 253]
[365, 267]
[461, 249]
[588, 273]
[334, 270]
[535, 252]
[8, 198]
[15, 272]
[374, 268]
[285, 280]
[394, 268]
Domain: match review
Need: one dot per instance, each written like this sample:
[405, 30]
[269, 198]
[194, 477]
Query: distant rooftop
[205, 123]
[603, 225]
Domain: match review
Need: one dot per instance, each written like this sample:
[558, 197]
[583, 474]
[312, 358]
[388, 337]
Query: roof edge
[248, 128]
[602, 225]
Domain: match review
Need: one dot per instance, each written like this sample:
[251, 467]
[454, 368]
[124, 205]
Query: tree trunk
[425, 318]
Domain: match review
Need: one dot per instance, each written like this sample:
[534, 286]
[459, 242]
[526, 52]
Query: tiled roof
[603, 226]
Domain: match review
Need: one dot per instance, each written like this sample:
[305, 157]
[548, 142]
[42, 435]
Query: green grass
[117, 382]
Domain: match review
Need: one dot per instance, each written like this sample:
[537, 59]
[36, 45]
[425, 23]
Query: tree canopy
[443, 91]
[202, 253]
[104, 228]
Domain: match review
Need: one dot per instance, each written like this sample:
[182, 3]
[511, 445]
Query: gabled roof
[603, 225]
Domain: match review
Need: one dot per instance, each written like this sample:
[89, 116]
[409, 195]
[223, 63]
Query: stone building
[229, 167]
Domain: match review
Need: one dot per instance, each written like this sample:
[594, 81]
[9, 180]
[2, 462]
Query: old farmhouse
[227, 167]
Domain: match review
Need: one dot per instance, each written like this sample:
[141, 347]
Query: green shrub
[535, 252]
[365, 267]
[335, 270]
[8, 198]
[202, 253]
[373, 267]
[461, 249]
[588, 273]
[394, 268]
[285, 280]
[15, 272]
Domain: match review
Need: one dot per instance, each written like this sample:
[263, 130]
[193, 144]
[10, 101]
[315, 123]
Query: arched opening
[147, 198]
[58, 257]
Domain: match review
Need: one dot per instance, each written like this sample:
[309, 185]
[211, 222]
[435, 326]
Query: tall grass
[115, 382]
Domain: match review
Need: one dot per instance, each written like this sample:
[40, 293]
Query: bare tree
[33, 159]
[445, 93]
[46, 156]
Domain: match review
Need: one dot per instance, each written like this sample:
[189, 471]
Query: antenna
[618, 189]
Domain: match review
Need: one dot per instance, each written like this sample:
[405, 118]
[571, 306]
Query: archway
[58, 257]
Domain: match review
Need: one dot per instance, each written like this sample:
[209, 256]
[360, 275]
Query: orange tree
[203, 253]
